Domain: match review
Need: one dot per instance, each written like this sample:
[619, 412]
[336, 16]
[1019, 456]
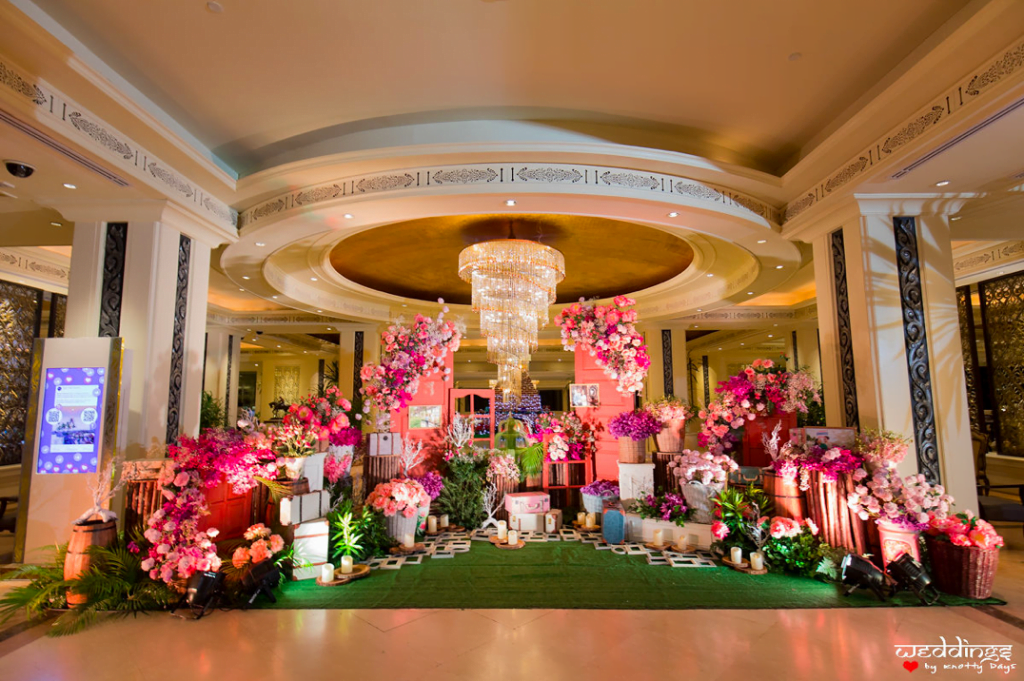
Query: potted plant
[672, 413]
[964, 552]
[702, 476]
[399, 501]
[597, 492]
[633, 428]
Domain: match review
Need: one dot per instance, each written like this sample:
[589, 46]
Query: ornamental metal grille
[969, 348]
[1002, 313]
[20, 310]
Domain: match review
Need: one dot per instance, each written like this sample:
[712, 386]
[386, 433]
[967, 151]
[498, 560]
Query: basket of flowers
[596, 493]
[633, 428]
[702, 477]
[399, 501]
[672, 413]
[964, 551]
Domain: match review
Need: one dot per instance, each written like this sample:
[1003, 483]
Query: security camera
[19, 169]
[259, 333]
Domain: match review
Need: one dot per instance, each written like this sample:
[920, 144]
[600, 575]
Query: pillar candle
[683, 542]
[444, 520]
[581, 518]
[591, 520]
[326, 572]
[431, 523]
[756, 561]
[408, 540]
[513, 537]
[346, 565]
[502, 530]
[658, 537]
[736, 555]
[549, 523]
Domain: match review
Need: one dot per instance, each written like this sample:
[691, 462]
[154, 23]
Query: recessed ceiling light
[274, 297]
[57, 224]
[320, 311]
[795, 56]
[673, 214]
[700, 309]
[719, 348]
[941, 183]
[241, 289]
[771, 336]
[248, 329]
[710, 274]
[215, 7]
[278, 346]
[404, 305]
[304, 352]
[750, 293]
[245, 277]
[68, 185]
[312, 278]
[762, 241]
[742, 343]
[954, 218]
[469, 360]
[779, 267]
[510, 202]
[260, 244]
[696, 326]
[349, 216]
[330, 329]
[559, 359]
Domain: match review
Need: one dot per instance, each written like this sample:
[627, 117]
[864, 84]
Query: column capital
[145, 210]
[856, 206]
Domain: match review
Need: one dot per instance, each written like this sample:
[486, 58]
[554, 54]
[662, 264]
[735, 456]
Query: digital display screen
[69, 438]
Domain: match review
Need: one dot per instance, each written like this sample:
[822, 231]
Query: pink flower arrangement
[703, 467]
[637, 425]
[407, 354]
[572, 439]
[336, 468]
[398, 496]
[965, 529]
[609, 334]
[502, 466]
[178, 549]
[292, 440]
[325, 416]
[909, 502]
[263, 545]
[794, 462]
[669, 409]
[882, 447]
[719, 530]
[346, 437]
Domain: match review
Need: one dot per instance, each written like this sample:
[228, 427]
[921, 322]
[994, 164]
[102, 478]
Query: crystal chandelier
[513, 284]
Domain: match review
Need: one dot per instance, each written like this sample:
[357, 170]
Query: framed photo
[424, 416]
[825, 437]
[583, 395]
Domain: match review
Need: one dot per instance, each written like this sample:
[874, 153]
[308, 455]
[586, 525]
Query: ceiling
[426, 253]
[720, 79]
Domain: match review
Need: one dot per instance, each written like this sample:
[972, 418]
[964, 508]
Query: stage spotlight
[202, 593]
[858, 571]
[910, 575]
[261, 579]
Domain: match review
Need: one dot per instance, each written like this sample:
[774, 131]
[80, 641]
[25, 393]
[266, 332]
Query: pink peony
[181, 479]
[259, 551]
[240, 557]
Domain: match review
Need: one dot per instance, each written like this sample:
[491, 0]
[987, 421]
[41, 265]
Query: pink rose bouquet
[670, 409]
[882, 447]
[703, 467]
[502, 466]
[323, 415]
[609, 334]
[398, 496]
[965, 529]
[262, 545]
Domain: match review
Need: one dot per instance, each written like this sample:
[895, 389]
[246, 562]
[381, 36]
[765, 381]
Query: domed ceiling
[419, 259]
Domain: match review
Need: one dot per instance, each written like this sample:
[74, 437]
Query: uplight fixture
[260, 244]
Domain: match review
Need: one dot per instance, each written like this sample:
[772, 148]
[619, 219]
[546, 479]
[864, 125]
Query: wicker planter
[399, 526]
[632, 451]
[789, 500]
[961, 570]
[700, 499]
[670, 439]
[594, 503]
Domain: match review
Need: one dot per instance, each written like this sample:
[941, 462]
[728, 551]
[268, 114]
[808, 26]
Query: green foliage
[463, 495]
[530, 460]
[800, 555]
[211, 413]
[370, 533]
[737, 507]
[829, 566]
[349, 536]
[815, 416]
[114, 586]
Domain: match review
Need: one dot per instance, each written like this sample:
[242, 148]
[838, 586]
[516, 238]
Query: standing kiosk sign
[75, 426]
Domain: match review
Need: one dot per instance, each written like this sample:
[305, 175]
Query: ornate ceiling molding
[736, 314]
[30, 264]
[538, 177]
[936, 115]
[62, 114]
[1004, 254]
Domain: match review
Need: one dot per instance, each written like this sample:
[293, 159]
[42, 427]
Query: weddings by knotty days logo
[959, 656]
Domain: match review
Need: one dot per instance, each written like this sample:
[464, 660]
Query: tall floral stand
[965, 571]
[826, 506]
[789, 499]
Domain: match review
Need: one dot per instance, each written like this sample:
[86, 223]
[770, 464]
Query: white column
[346, 360]
[807, 350]
[85, 281]
[195, 338]
[831, 373]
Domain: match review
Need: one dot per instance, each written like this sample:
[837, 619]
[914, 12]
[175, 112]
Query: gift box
[528, 502]
[313, 470]
[311, 545]
[304, 507]
[526, 522]
[556, 518]
[385, 444]
[636, 480]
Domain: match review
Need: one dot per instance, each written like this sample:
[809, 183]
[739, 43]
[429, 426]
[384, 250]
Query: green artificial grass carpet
[576, 576]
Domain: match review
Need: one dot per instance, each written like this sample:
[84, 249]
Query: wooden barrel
[78, 560]
[789, 500]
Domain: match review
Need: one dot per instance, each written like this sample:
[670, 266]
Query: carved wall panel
[286, 384]
[178, 340]
[707, 380]
[357, 364]
[58, 315]
[1002, 314]
[851, 412]
[20, 310]
[666, 359]
[113, 279]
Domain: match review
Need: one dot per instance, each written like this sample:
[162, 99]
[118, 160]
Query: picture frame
[584, 395]
[425, 417]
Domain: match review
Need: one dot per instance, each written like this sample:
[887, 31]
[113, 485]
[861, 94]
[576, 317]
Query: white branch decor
[460, 432]
[771, 445]
[412, 455]
[103, 489]
[492, 503]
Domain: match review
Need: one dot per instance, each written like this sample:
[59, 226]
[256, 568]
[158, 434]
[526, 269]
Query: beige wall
[267, 365]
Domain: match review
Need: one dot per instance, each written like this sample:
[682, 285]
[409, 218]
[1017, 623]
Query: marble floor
[541, 645]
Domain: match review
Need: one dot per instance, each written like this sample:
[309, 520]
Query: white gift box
[311, 548]
[304, 507]
[556, 515]
[697, 535]
[385, 444]
[636, 480]
[526, 522]
[313, 470]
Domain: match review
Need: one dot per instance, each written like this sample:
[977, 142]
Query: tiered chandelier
[513, 284]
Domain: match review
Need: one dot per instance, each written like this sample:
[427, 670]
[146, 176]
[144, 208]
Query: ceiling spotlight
[260, 244]
[278, 346]
[330, 329]
[559, 359]
[274, 297]
[742, 343]
[941, 183]
[771, 336]
[673, 214]
[56, 224]
[348, 216]
[248, 329]
[241, 289]
[696, 326]
[404, 305]
[710, 274]
[953, 219]
[68, 185]
[245, 277]
[762, 241]
[312, 278]
[779, 267]
[469, 360]
[320, 311]
[257, 363]
[719, 348]
[750, 293]
[510, 202]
